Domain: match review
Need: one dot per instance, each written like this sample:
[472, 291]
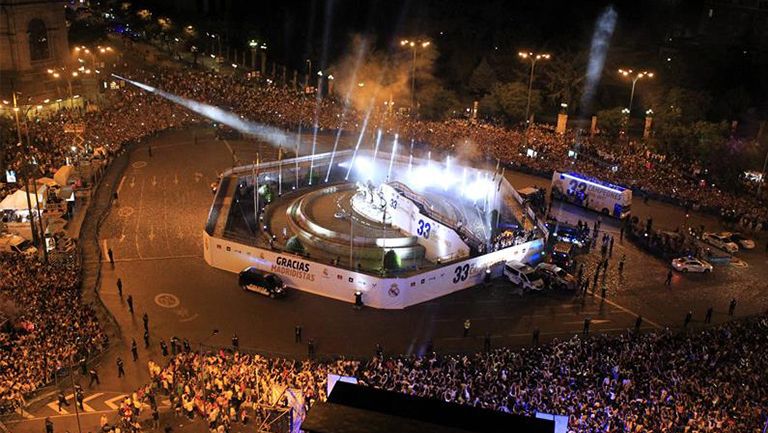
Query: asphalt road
[155, 232]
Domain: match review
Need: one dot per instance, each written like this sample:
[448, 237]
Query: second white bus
[594, 194]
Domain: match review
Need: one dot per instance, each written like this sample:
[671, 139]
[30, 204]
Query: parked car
[17, 244]
[562, 254]
[265, 283]
[523, 275]
[691, 264]
[556, 277]
[568, 233]
[742, 241]
[720, 240]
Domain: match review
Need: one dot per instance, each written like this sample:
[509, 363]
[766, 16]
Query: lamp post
[263, 48]
[635, 76]
[67, 75]
[202, 365]
[309, 71]
[254, 45]
[413, 46]
[533, 58]
[26, 177]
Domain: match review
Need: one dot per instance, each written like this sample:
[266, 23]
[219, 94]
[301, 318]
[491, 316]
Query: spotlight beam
[274, 136]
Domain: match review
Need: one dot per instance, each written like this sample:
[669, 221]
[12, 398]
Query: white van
[16, 244]
[523, 275]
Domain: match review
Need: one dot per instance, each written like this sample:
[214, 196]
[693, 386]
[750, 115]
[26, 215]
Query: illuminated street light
[635, 76]
[412, 45]
[533, 58]
[67, 75]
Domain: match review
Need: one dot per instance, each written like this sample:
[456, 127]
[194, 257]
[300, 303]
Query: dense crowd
[134, 115]
[228, 387]
[712, 380]
[48, 327]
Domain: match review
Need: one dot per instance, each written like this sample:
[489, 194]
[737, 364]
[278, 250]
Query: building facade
[33, 38]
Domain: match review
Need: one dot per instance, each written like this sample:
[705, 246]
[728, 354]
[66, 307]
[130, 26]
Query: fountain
[392, 157]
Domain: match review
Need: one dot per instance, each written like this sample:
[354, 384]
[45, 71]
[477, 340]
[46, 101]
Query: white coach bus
[591, 193]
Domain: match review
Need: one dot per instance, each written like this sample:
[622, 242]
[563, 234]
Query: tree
[685, 105]
[512, 99]
[266, 192]
[708, 138]
[489, 106]
[294, 245]
[610, 121]
[483, 78]
[436, 102]
[391, 261]
[732, 104]
[564, 78]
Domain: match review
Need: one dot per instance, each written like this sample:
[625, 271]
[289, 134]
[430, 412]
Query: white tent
[18, 200]
[47, 181]
[62, 174]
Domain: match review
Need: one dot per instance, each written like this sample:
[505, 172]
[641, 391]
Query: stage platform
[369, 224]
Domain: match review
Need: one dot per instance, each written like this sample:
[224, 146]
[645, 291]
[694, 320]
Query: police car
[265, 283]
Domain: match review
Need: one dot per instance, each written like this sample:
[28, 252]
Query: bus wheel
[605, 211]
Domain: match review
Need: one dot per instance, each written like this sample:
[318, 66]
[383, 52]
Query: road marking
[138, 217]
[120, 186]
[167, 300]
[176, 179]
[139, 164]
[627, 310]
[125, 211]
[147, 259]
[91, 397]
[105, 249]
[111, 402]
[154, 180]
[151, 235]
[133, 181]
[96, 412]
[190, 318]
[529, 334]
[234, 156]
[592, 321]
[24, 413]
[55, 407]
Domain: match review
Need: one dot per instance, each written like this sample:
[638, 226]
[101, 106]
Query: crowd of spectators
[48, 327]
[711, 380]
[227, 387]
[134, 115]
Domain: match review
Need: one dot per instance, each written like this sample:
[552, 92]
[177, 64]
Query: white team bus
[591, 193]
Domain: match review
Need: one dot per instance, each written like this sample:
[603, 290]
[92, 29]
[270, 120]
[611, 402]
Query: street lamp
[213, 333]
[68, 76]
[263, 69]
[413, 46]
[319, 84]
[254, 45]
[533, 58]
[26, 178]
[635, 76]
